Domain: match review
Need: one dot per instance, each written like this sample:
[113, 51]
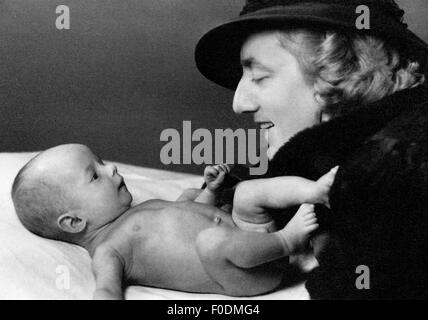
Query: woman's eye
[94, 177]
[259, 79]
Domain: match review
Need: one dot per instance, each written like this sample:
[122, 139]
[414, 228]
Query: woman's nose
[244, 99]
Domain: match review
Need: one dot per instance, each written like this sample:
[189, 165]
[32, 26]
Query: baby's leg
[252, 197]
[247, 214]
[223, 255]
[322, 188]
[240, 262]
[268, 225]
[296, 233]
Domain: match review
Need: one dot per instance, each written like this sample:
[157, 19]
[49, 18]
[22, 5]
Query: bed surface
[36, 268]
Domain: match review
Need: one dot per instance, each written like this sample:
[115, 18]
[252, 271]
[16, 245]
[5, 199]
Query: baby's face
[95, 188]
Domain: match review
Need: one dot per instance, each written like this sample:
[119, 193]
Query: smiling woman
[274, 89]
[302, 85]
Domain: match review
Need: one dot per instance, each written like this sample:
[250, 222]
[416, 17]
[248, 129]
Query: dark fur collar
[316, 150]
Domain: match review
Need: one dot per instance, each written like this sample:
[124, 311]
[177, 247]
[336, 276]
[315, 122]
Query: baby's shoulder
[113, 249]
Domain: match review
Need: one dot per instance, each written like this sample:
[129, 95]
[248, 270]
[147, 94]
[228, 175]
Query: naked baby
[67, 193]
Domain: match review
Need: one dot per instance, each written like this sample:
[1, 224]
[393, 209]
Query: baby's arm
[252, 197]
[189, 194]
[214, 178]
[107, 266]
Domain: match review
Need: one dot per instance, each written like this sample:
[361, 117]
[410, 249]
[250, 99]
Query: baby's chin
[127, 195]
[129, 202]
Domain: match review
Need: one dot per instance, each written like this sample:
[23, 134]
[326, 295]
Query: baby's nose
[113, 169]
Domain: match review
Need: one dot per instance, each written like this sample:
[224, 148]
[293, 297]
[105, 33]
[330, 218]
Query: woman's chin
[271, 151]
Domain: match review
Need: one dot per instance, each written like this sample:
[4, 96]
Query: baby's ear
[71, 222]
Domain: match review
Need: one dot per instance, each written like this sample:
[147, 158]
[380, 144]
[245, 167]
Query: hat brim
[217, 53]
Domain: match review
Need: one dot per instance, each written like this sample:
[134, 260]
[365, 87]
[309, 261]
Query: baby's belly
[169, 258]
[178, 269]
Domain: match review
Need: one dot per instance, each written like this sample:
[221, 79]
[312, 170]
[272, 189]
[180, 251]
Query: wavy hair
[350, 68]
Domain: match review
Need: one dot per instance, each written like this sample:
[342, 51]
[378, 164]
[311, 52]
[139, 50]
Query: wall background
[123, 73]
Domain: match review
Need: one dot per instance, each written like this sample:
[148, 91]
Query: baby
[67, 193]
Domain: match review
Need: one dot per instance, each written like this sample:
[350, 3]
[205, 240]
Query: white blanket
[36, 268]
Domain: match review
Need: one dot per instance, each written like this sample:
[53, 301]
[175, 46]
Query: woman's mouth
[265, 125]
[267, 134]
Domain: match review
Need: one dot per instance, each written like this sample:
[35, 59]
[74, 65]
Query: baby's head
[67, 192]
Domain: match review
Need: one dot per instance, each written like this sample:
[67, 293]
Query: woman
[330, 94]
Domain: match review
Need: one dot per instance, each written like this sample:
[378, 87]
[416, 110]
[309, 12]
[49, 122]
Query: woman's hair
[349, 68]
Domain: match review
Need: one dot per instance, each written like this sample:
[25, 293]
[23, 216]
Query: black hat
[218, 51]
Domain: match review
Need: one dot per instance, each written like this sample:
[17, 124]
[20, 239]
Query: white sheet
[36, 268]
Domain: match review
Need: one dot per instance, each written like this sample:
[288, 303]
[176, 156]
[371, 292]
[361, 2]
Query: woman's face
[273, 88]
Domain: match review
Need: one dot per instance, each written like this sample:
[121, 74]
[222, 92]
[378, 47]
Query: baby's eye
[94, 177]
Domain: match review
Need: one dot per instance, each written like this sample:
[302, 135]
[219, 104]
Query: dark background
[123, 73]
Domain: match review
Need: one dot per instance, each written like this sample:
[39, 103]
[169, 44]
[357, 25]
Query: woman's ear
[70, 222]
[319, 100]
[325, 116]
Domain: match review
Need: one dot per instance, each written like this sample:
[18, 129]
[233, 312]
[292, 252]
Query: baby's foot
[323, 186]
[214, 176]
[295, 234]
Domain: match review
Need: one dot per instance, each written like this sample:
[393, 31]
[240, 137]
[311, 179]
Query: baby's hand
[214, 176]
